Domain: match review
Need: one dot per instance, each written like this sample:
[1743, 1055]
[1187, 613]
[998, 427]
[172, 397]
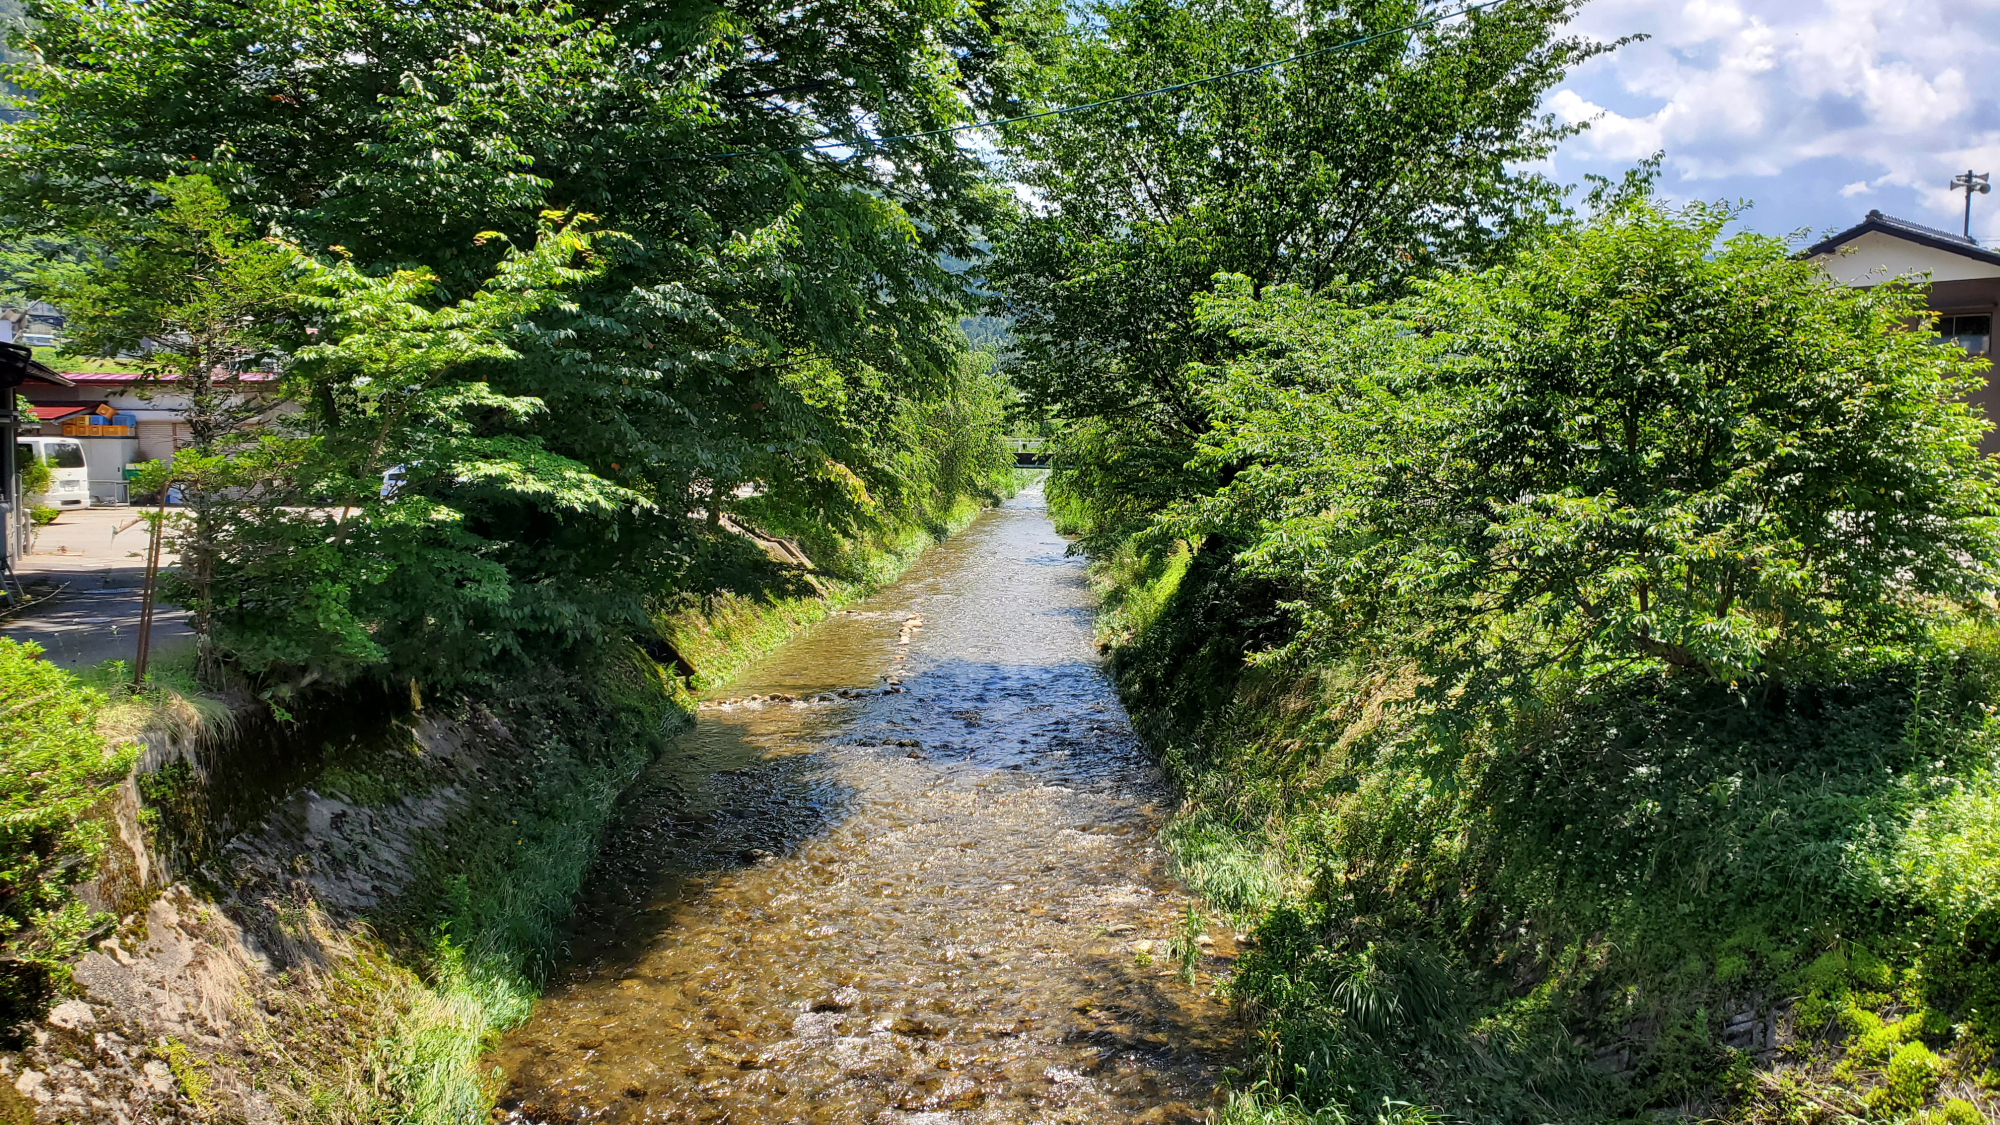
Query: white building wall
[1877, 257]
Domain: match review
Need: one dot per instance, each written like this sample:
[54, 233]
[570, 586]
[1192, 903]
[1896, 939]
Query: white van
[69, 479]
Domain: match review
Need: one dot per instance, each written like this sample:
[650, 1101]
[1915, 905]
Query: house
[40, 325]
[121, 418]
[18, 371]
[1964, 282]
[138, 418]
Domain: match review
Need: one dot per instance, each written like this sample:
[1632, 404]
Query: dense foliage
[1623, 446]
[1599, 647]
[758, 337]
[1374, 164]
[56, 776]
[359, 531]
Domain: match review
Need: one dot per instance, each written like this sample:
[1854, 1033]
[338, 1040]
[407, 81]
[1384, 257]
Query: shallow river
[919, 885]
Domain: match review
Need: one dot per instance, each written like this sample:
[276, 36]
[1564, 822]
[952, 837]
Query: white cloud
[1801, 104]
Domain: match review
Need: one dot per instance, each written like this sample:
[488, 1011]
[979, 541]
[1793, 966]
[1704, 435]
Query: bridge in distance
[1029, 453]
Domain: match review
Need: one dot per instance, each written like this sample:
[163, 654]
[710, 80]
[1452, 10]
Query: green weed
[190, 1072]
[58, 772]
[1185, 949]
[1227, 869]
[1954, 1111]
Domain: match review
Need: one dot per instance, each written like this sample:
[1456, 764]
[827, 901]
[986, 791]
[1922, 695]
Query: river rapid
[902, 870]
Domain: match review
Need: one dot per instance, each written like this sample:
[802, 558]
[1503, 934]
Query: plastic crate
[98, 427]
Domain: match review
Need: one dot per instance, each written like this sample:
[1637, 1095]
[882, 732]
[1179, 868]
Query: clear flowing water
[904, 872]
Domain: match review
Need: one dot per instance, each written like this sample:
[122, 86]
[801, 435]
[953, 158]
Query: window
[63, 455]
[1974, 333]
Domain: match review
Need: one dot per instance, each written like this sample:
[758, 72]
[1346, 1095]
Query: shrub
[1596, 638]
[55, 774]
[43, 514]
[1950, 860]
[1954, 1111]
[1633, 445]
[1912, 1075]
[35, 476]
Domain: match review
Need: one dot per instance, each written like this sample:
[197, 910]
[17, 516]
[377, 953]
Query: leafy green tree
[189, 287]
[1375, 163]
[185, 283]
[381, 528]
[1633, 444]
[767, 316]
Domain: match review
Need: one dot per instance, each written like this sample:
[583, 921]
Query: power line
[1119, 100]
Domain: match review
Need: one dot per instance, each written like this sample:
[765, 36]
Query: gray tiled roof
[1909, 232]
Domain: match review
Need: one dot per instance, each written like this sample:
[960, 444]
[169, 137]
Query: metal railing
[1029, 453]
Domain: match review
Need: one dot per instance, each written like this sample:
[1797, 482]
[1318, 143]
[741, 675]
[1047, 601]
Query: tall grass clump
[170, 705]
[1586, 668]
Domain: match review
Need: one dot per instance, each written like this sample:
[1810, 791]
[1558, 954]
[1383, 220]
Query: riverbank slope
[1666, 900]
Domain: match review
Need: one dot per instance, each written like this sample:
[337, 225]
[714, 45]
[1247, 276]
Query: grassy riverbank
[392, 1029]
[1758, 905]
[1599, 721]
[1767, 905]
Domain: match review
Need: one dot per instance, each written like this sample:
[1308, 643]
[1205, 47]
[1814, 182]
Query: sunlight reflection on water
[937, 904]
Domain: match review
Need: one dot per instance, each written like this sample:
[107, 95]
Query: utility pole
[1981, 183]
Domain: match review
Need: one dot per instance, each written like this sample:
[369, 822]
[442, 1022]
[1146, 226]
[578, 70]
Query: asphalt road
[97, 562]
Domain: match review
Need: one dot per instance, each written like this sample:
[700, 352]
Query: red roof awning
[223, 379]
[57, 413]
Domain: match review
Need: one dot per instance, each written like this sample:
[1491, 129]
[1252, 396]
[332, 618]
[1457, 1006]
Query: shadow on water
[907, 872]
[731, 798]
[719, 805]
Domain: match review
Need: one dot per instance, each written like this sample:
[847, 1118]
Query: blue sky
[1817, 110]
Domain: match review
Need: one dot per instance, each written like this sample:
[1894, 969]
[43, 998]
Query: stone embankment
[235, 985]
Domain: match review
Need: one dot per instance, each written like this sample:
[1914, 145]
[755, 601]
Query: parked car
[69, 479]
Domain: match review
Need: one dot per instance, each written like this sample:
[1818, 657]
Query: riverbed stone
[966, 896]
